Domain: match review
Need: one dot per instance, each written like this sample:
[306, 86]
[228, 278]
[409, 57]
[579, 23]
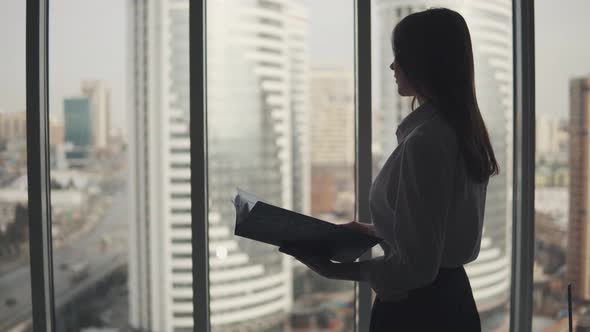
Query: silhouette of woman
[428, 200]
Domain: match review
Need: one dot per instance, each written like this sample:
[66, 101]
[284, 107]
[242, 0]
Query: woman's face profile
[403, 86]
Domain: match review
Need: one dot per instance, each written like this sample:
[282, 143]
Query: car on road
[10, 301]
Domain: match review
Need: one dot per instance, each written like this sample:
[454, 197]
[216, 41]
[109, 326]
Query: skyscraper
[257, 118]
[490, 24]
[332, 110]
[99, 95]
[578, 246]
[332, 134]
[78, 121]
[78, 130]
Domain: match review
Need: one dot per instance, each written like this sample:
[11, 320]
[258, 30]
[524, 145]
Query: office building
[490, 24]
[332, 109]
[78, 131]
[99, 95]
[332, 135]
[13, 128]
[578, 244]
[78, 121]
[257, 119]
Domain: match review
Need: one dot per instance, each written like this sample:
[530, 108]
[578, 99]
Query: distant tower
[578, 250]
[99, 95]
[332, 134]
[78, 130]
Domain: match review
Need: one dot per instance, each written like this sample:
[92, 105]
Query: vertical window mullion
[363, 153]
[524, 166]
[42, 297]
[198, 152]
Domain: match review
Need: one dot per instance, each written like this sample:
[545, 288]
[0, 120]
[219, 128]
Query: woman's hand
[360, 227]
[328, 269]
[319, 265]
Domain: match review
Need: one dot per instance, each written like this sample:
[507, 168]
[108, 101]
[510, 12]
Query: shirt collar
[413, 120]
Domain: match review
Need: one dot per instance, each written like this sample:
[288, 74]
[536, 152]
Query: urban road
[89, 249]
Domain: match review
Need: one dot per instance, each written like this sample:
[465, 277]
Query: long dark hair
[433, 48]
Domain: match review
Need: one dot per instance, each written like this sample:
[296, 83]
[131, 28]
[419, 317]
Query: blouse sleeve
[418, 210]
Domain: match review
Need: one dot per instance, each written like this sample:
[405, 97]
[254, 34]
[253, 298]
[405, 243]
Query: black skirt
[447, 304]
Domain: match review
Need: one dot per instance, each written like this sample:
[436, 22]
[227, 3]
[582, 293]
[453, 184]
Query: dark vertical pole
[38, 166]
[363, 140]
[569, 308]
[198, 138]
[524, 166]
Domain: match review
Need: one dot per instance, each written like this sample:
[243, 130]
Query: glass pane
[491, 33]
[15, 276]
[280, 94]
[562, 235]
[90, 202]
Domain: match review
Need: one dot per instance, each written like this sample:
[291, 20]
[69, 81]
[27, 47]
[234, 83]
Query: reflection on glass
[88, 161]
[562, 235]
[15, 281]
[281, 127]
[491, 34]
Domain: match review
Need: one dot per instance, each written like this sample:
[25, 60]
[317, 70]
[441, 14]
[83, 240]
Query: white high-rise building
[100, 110]
[490, 24]
[257, 69]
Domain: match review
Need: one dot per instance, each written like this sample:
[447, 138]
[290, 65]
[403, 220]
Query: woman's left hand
[319, 265]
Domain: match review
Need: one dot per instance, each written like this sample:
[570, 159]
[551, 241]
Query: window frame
[43, 311]
[199, 163]
[523, 188]
[363, 142]
[39, 202]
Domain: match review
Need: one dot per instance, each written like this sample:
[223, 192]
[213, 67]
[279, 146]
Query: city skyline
[92, 62]
[263, 87]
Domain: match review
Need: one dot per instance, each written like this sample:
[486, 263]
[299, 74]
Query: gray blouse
[424, 206]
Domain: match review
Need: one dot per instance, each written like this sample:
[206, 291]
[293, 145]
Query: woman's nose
[391, 66]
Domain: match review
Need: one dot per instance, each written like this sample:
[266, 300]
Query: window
[281, 125]
[105, 240]
[120, 178]
[15, 273]
[562, 235]
[491, 34]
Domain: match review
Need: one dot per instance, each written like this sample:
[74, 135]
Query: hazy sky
[562, 51]
[88, 38]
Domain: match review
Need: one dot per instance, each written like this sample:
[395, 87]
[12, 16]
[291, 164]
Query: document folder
[270, 224]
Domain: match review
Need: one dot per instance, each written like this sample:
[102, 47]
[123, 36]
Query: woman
[427, 202]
